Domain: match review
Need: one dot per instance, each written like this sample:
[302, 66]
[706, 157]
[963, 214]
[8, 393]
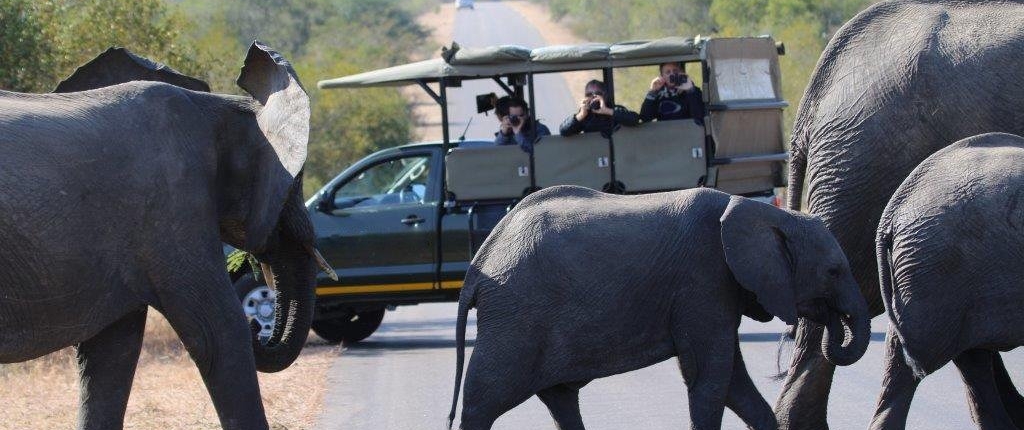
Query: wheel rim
[258, 305]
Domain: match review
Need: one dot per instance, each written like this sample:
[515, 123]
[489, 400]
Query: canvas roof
[472, 63]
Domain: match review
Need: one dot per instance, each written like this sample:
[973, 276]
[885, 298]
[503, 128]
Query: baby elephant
[575, 284]
[951, 265]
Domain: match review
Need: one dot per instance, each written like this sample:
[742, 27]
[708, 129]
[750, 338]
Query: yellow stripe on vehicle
[451, 284]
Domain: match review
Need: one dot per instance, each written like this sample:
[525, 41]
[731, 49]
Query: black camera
[515, 120]
[594, 104]
[677, 79]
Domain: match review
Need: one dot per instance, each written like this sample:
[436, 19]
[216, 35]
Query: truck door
[381, 225]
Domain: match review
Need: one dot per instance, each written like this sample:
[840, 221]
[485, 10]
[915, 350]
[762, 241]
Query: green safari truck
[401, 225]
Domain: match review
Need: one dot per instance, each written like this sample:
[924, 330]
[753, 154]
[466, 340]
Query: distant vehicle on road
[464, 4]
[401, 225]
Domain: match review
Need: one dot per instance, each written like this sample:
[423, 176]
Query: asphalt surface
[496, 24]
[402, 377]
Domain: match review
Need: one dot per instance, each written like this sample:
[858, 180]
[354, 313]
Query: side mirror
[324, 204]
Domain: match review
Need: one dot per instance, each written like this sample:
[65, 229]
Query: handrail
[749, 159]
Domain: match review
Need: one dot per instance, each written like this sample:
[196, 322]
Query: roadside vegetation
[805, 26]
[43, 41]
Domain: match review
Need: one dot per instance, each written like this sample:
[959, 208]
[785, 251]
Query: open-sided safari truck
[401, 225]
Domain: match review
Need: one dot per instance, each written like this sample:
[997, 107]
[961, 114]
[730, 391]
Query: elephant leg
[982, 394]
[1012, 399]
[707, 370]
[898, 387]
[106, 364]
[744, 399]
[563, 401]
[495, 383]
[205, 313]
[802, 404]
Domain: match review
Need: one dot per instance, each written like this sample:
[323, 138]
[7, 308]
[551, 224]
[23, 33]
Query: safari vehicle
[401, 225]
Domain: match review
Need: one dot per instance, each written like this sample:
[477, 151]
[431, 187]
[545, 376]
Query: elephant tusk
[268, 275]
[322, 262]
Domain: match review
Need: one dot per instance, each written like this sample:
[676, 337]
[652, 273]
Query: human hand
[657, 84]
[602, 107]
[506, 126]
[519, 124]
[687, 85]
[584, 109]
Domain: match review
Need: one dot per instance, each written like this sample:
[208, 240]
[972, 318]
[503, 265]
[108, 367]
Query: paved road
[402, 377]
[496, 24]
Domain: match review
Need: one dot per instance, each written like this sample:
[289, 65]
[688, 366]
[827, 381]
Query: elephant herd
[907, 139]
[117, 190]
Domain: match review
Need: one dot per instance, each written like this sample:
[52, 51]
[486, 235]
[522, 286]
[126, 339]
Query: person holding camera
[517, 128]
[594, 114]
[673, 95]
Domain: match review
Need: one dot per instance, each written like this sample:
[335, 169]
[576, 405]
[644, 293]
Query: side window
[396, 181]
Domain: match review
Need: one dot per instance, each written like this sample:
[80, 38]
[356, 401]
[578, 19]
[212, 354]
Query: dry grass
[168, 392]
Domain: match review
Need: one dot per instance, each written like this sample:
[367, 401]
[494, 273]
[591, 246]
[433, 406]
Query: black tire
[349, 330]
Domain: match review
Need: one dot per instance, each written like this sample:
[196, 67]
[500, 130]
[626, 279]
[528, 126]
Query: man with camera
[516, 127]
[594, 114]
[673, 96]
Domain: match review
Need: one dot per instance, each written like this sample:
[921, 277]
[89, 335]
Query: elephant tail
[467, 299]
[883, 250]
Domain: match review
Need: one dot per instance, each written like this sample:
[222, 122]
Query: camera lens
[514, 120]
[677, 79]
[595, 105]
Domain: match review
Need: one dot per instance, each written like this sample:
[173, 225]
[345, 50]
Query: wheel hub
[258, 305]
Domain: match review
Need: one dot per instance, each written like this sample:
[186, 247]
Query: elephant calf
[951, 267]
[575, 284]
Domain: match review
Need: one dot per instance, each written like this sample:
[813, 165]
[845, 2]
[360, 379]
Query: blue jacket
[665, 105]
[526, 137]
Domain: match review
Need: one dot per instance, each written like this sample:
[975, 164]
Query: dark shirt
[664, 105]
[526, 137]
[596, 122]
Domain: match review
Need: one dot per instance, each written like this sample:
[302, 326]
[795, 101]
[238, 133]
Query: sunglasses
[594, 93]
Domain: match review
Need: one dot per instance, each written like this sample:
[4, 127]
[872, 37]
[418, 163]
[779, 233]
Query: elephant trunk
[291, 269]
[848, 330]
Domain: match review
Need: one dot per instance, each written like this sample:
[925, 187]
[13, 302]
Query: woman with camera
[594, 113]
[673, 96]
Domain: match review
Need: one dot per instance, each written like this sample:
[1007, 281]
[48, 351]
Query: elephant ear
[283, 115]
[118, 65]
[282, 119]
[758, 253]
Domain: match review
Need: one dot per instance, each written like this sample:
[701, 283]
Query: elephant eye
[834, 272]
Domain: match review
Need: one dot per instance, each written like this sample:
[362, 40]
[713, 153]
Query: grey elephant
[898, 82]
[950, 247]
[118, 198]
[574, 284]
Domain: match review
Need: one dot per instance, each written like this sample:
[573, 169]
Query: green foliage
[28, 56]
[43, 41]
[805, 26]
[238, 259]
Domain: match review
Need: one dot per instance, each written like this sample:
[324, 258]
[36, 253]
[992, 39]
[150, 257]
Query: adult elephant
[949, 248]
[118, 198]
[898, 82]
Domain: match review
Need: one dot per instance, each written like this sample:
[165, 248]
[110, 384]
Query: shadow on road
[774, 337]
[443, 325]
[373, 347]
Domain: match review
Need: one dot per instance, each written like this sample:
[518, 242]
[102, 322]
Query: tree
[28, 52]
